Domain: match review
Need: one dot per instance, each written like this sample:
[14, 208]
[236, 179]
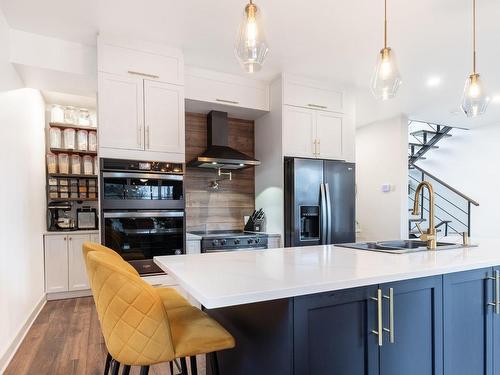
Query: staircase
[452, 207]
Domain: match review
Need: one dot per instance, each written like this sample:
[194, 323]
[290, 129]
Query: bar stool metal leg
[115, 367]
[194, 367]
[214, 364]
[184, 366]
[144, 370]
[107, 364]
[126, 370]
[171, 366]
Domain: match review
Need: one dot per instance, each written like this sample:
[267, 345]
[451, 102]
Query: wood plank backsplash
[224, 209]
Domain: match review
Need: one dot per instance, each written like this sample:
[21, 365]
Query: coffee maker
[59, 216]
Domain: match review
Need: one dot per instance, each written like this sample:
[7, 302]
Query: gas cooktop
[224, 240]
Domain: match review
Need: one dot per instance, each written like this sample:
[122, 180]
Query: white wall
[468, 161]
[9, 79]
[22, 221]
[381, 158]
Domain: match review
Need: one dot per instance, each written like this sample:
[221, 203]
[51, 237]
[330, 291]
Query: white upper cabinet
[164, 107]
[316, 120]
[329, 140]
[300, 133]
[224, 91]
[141, 101]
[141, 59]
[121, 112]
[310, 94]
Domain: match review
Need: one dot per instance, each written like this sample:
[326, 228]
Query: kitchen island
[331, 310]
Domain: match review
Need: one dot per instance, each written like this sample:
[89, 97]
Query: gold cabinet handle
[314, 147]
[496, 302]
[226, 101]
[318, 142]
[147, 137]
[317, 106]
[390, 330]
[143, 74]
[139, 136]
[380, 330]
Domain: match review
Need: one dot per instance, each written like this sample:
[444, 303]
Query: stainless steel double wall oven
[142, 210]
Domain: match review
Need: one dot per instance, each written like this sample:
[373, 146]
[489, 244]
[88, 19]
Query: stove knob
[250, 241]
[257, 240]
[236, 242]
[215, 242]
[223, 242]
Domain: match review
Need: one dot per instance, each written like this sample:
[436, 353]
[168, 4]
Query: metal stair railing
[453, 208]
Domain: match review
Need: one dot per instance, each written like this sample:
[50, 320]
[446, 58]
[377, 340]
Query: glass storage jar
[57, 113]
[70, 115]
[88, 165]
[63, 162]
[92, 141]
[55, 137]
[51, 163]
[69, 139]
[82, 140]
[83, 117]
[76, 164]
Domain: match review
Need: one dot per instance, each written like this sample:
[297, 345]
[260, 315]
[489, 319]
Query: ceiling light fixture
[251, 47]
[433, 81]
[385, 80]
[474, 100]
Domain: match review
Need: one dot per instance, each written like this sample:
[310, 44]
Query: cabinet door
[121, 112]
[95, 237]
[298, 132]
[328, 135]
[78, 279]
[467, 323]
[312, 95]
[496, 329]
[164, 117]
[417, 324]
[56, 263]
[332, 333]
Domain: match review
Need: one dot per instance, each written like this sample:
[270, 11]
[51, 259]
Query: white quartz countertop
[236, 278]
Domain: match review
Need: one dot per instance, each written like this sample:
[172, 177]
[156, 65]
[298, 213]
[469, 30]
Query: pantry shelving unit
[69, 187]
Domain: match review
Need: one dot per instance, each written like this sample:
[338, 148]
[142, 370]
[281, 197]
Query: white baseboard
[66, 295]
[12, 349]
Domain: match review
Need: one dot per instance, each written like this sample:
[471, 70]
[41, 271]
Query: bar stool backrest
[133, 320]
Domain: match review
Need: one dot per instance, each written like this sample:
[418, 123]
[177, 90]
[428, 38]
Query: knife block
[255, 225]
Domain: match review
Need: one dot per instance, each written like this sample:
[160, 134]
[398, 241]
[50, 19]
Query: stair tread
[421, 145]
[422, 132]
[417, 220]
[417, 232]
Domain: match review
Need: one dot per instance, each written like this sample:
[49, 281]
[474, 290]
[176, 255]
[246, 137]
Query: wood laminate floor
[66, 339]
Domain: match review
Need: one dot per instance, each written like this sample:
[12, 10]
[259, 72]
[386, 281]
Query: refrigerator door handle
[329, 218]
[324, 215]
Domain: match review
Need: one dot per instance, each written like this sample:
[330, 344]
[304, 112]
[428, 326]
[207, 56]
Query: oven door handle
[149, 176]
[133, 214]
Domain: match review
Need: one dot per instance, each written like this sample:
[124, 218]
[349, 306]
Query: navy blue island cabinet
[439, 325]
[472, 322]
[338, 333]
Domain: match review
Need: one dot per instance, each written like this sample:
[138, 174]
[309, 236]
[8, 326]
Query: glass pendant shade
[475, 100]
[251, 47]
[386, 79]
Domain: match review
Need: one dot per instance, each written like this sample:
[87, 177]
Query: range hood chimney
[218, 154]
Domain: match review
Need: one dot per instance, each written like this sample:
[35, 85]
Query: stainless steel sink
[401, 246]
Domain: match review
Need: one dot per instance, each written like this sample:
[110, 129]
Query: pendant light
[251, 47]
[474, 100]
[385, 80]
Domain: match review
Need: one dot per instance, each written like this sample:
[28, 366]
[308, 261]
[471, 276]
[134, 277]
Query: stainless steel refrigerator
[319, 202]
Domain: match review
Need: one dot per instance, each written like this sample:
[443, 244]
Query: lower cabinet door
[332, 333]
[468, 322]
[496, 326]
[78, 279]
[56, 263]
[414, 347]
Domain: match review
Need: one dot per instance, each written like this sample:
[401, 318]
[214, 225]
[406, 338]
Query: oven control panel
[234, 243]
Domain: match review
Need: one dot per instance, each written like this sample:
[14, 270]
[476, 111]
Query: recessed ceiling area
[326, 39]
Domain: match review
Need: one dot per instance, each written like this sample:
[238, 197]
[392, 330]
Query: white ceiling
[328, 39]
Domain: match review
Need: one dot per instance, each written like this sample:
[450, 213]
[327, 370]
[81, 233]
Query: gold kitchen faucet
[430, 234]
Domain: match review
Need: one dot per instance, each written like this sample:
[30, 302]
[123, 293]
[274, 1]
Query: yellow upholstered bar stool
[139, 330]
[169, 296]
